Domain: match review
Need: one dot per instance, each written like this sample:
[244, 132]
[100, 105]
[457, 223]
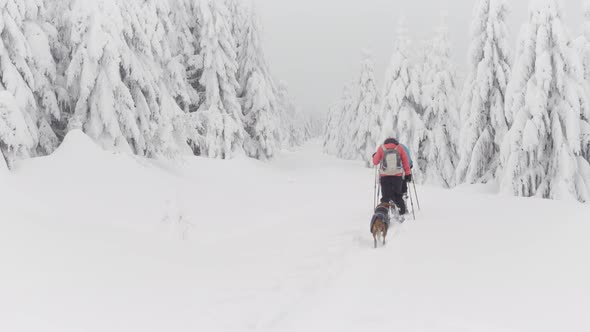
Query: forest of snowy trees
[156, 78]
[163, 78]
[522, 120]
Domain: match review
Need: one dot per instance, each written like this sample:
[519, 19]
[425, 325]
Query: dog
[380, 222]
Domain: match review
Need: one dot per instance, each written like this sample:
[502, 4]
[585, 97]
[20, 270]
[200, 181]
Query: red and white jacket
[402, 152]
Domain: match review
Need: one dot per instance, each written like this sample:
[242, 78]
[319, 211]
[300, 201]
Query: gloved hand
[409, 178]
[374, 154]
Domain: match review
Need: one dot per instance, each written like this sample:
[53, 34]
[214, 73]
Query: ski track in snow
[102, 243]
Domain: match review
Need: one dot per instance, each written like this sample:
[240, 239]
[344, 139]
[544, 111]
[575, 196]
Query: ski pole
[412, 202]
[375, 191]
[377, 188]
[416, 193]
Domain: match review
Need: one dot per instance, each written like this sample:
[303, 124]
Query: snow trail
[95, 245]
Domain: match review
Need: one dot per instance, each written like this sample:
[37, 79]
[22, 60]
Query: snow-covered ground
[95, 241]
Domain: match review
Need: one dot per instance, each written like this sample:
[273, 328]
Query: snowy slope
[95, 241]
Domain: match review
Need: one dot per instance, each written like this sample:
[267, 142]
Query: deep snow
[96, 241]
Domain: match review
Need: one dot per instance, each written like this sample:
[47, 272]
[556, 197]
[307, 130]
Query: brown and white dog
[380, 222]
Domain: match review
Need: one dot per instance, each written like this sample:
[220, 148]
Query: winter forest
[163, 78]
[519, 119]
[155, 78]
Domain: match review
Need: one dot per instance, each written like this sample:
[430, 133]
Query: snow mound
[77, 144]
[80, 181]
[77, 156]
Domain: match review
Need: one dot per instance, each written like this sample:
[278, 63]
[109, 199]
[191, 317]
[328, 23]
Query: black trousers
[404, 187]
[392, 190]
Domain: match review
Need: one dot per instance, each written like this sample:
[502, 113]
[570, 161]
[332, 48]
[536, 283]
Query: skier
[395, 164]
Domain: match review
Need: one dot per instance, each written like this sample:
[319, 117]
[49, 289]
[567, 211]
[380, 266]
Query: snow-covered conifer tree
[167, 27]
[367, 128]
[401, 101]
[339, 126]
[240, 15]
[312, 124]
[440, 117]
[290, 119]
[583, 46]
[583, 42]
[329, 129]
[349, 119]
[155, 73]
[332, 127]
[260, 119]
[126, 79]
[541, 154]
[219, 116]
[44, 71]
[484, 94]
[16, 138]
[257, 94]
[104, 107]
[28, 71]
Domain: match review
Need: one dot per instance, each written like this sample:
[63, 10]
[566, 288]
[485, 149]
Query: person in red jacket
[391, 184]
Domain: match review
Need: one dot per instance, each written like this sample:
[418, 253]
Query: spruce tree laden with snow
[163, 47]
[333, 122]
[124, 78]
[541, 154]
[313, 123]
[366, 133]
[103, 105]
[339, 127]
[331, 129]
[259, 104]
[28, 71]
[16, 138]
[484, 94]
[349, 117]
[241, 17]
[260, 119]
[166, 23]
[583, 46]
[290, 119]
[219, 117]
[583, 42]
[155, 75]
[401, 102]
[438, 150]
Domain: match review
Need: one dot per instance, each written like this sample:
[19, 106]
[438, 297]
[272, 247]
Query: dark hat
[391, 140]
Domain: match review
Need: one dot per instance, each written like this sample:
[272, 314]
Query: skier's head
[391, 140]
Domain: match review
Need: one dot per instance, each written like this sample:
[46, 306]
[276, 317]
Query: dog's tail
[373, 223]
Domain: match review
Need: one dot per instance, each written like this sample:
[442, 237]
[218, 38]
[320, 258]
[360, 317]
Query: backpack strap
[386, 149]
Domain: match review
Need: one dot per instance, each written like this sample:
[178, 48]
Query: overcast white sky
[315, 45]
